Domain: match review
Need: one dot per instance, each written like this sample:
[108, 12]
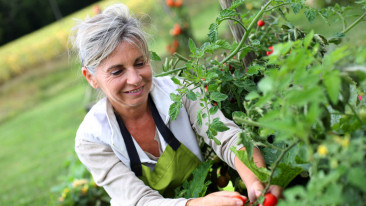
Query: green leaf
[218, 125]
[199, 118]
[265, 85]
[223, 44]
[236, 4]
[308, 39]
[310, 14]
[176, 81]
[212, 35]
[192, 46]
[296, 7]
[217, 96]
[227, 13]
[284, 174]
[357, 177]
[332, 82]
[239, 117]
[197, 187]
[252, 95]
[248, 144]
[213, 110]
[175, 97]
[261, 173]
[174, 110]
[154, 56]
[191, 95]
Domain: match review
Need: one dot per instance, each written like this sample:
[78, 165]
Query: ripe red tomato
[170, 3]
[269, 200]
[243, 199]
[260, 23]
[178, 3]
[269, 52]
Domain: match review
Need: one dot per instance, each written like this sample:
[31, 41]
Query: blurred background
[43, 97]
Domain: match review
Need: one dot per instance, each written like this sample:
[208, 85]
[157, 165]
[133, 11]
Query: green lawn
[34, 146]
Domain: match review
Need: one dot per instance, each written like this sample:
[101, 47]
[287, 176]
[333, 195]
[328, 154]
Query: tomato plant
[294, 97]
[269, 200]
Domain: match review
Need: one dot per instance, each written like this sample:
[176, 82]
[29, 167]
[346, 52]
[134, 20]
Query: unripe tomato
[170, 3]
[269, 200]
[260, 23]
[270, 52]
[243, 199]
[222, 181]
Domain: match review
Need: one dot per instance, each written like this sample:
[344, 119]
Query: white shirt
[100, 146]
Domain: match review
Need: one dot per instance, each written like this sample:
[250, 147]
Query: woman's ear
[89, 77]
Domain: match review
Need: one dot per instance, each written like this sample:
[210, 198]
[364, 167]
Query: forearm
[245, 173]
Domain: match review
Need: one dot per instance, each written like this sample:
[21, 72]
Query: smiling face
[125, 77]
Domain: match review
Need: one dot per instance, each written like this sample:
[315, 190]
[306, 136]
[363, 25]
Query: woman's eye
[140, 64]
[116, 72]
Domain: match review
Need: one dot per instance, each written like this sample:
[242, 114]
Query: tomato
[269, 200]
[260, 23]
[170, 3]
[221, 180]
[270, 52]
[178, 3]
[176, 30]
[243, 199]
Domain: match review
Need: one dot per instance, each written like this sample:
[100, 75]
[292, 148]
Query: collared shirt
[100, 146]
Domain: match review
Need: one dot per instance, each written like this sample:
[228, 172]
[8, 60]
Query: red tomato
[178, 3]
[269, 200]
[170, 3]
[243, 199]
[260, 23]
[270, 52]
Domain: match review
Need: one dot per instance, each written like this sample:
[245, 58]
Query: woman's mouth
[136, 91]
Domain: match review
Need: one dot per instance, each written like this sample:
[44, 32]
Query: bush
[300, 102]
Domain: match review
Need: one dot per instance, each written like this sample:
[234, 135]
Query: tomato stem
[354, 23]
[246, 34]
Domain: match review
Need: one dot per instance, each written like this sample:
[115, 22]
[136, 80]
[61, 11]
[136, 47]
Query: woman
[127, 140]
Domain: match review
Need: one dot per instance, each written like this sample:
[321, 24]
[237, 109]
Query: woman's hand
[255, 190]
[222, 198]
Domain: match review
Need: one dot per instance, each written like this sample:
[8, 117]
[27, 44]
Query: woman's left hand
[255, 190]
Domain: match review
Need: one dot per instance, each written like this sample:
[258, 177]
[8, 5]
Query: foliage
[300, 104]
[79, 188]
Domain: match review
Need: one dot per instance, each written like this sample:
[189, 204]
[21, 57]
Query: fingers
[276, 191]
[224, 198]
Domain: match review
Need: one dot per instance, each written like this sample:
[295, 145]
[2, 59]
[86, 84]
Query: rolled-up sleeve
[119, 181]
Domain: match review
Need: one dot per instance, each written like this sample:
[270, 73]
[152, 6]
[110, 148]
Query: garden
[290, 73]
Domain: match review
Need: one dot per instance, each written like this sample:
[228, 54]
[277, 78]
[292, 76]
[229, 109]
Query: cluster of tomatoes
[174, 3]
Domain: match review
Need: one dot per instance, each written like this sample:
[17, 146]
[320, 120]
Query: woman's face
[125, 77]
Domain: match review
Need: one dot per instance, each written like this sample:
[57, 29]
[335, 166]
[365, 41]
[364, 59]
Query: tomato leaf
[260, 172]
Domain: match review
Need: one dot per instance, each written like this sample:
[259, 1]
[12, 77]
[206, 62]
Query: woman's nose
[133, 77]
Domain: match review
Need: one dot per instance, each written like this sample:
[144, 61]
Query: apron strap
[135, 162]
[131, 149]
[163, 129]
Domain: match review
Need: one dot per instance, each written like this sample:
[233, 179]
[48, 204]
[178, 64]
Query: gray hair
[97, 37]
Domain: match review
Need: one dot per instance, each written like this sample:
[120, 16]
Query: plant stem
[275, 7]
[246, 34]
[170, 72]
[181, 57]
[275, 164]
[354, 23]
[236, 20]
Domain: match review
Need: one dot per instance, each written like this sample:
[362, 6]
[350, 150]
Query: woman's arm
[119, 181]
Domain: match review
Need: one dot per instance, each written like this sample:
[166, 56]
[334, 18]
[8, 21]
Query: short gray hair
[97, 37]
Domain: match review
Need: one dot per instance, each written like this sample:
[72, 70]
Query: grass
[34, 146]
